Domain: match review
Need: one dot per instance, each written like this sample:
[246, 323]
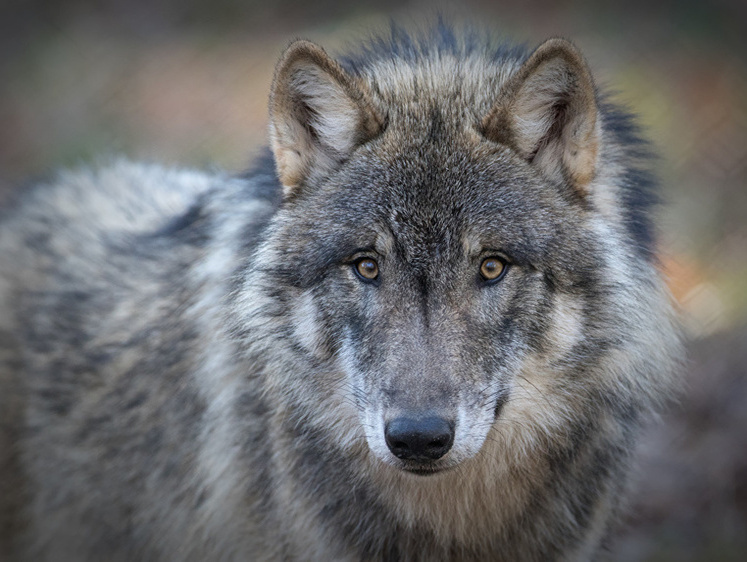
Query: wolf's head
[450, 252]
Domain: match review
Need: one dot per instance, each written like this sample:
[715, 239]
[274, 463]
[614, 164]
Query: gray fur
[192, 369]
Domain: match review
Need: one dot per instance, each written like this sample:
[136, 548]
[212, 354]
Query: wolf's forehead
[446, 214]
[437, 189]
[437, 227]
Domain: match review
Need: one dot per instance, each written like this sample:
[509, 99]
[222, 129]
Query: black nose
[426, 438]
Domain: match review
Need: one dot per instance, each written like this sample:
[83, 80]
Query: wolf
[429, 324]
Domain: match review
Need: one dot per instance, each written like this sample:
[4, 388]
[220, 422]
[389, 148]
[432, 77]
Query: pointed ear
[319, 114]
[547, 112]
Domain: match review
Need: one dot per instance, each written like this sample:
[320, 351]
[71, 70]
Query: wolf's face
[429, 281]
[428, 257]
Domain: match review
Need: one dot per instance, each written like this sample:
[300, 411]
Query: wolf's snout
[428, 438]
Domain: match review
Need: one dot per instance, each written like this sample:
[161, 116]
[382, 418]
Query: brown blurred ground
[186, 82]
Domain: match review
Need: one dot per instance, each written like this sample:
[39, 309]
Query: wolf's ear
[318, 114]
[547, 112]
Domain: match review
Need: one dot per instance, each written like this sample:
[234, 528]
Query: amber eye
[367, 269]
[492, 269]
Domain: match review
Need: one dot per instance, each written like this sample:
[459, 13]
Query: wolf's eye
[492, 269]
[367, 269]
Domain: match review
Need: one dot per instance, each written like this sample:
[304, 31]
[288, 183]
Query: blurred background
[186, 83]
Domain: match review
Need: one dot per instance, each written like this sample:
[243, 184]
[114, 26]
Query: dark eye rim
[506, 266]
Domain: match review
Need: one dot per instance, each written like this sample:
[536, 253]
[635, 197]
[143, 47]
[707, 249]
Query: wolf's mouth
[421, 470]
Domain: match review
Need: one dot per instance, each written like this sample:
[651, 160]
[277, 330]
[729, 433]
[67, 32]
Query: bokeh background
[186, 82]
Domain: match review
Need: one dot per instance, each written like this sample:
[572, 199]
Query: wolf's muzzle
[419, 439]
